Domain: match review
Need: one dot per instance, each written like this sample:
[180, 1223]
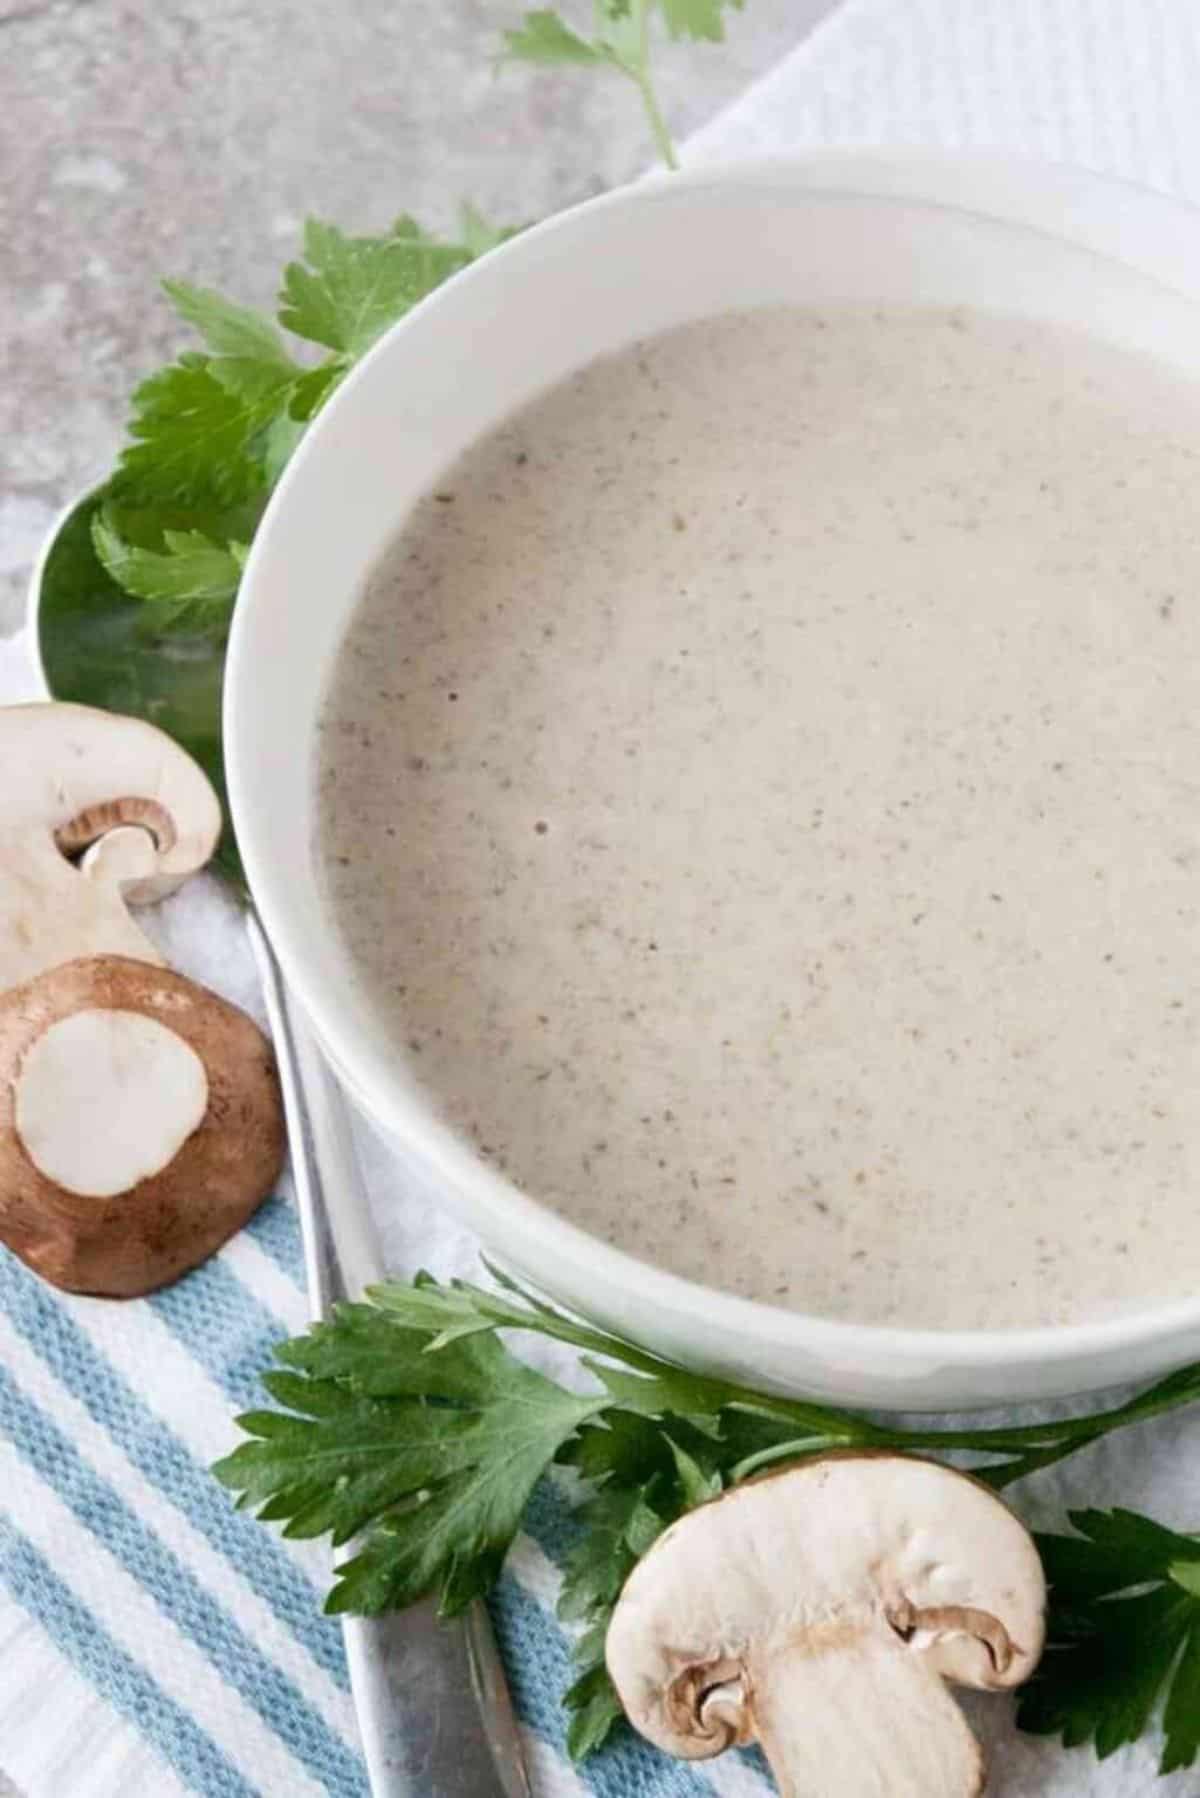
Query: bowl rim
[493, 1204]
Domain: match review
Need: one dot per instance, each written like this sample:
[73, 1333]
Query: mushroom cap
[83, 772]
[899, 1554]
[206, 1146]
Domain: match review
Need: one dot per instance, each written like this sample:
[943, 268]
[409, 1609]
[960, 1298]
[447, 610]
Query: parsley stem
[645, 86]
[786, 1451]
[1021, 1461]
[1023, 1450]
[658, 125]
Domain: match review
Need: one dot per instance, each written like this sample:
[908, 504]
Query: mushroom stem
[859, 1721]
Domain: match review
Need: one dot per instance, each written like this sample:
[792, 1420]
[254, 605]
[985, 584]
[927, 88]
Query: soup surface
[760, 789]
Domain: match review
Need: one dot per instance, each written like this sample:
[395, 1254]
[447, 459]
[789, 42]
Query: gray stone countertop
[190, 137]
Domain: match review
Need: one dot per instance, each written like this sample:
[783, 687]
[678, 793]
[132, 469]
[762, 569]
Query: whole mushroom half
[140, 1121]
[96, 811]
[821, 1611]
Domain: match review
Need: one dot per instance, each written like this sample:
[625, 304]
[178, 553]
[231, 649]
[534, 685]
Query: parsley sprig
[410, 1426]
[212, 432]
[622, 40]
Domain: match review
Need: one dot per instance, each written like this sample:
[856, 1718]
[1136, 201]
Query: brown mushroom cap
[204, 1139]
[818, 1610]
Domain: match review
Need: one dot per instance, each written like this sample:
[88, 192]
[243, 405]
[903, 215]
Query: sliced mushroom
[77, 783]
[140, 1124]
[819, 1611]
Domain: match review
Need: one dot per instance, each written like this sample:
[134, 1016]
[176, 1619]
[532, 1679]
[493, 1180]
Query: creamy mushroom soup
[760, 789]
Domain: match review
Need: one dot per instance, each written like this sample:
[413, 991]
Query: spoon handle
[433, 1704]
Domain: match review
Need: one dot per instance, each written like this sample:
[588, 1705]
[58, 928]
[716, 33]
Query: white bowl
[1019, 237]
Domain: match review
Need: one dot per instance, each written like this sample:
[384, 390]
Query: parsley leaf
[194, 435]
[200, 424]
[700, 20]
[595, 1709]
[190, 579]
[599, 1564]
[645, 1476]
[543, 37]
[696, 1486]
[1181, 1713]
[619, 1520]
[1124, 1629]
[438, 1482]
[230, 331]
[348, 290]
[618, 1445]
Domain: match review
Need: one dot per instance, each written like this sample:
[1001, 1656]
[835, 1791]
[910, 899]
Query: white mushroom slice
[105, 1099]
[73, 776]
[818, 1611]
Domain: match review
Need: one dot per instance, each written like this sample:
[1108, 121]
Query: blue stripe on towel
[278, 1701]
[550, 1519]
[160, 1456]
[224, 1327]
[276, 1230]
[118, 1679]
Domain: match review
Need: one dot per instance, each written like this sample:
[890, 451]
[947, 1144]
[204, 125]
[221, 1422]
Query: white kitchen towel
[151, 1643]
